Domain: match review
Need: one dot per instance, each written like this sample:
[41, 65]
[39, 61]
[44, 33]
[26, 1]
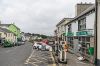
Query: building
[7, 35]
[79, 31]
[80, 7]
[23, 36]
[13, 28]
[27, 36]
[80, 34]
[61, 29]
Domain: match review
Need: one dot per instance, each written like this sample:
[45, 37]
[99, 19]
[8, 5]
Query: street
[24, 55]
[40, 58]
[15, 56]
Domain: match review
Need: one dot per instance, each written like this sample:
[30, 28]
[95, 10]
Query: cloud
[37, 16]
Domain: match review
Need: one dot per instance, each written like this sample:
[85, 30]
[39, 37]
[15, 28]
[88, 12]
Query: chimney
[80, 7]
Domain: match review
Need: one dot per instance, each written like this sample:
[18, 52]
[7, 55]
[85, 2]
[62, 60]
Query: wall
[75, 27]
[2, 35]
[79, 8]
[14, 30]
[8, 36]
[98, 35]
[90, 21]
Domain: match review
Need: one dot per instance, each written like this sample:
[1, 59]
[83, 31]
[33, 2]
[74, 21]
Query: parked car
[48, 47]
[19, 43]
[37, 45]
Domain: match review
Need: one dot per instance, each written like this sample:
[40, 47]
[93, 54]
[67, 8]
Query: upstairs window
[69, 28]
[82, 24]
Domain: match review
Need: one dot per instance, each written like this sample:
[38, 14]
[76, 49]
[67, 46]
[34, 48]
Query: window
[82, 24]
[70, 42]
[88, 39]
[69, 28]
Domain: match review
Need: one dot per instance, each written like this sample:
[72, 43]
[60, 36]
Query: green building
[13, 28]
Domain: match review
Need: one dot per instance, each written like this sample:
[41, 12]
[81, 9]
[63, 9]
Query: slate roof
[7, 25]
[83, 13]
[64, 19]
[5, 30]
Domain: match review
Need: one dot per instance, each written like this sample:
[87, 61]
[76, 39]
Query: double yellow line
[54, 64]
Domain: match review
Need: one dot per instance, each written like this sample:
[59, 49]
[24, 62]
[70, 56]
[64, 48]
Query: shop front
[86, 44]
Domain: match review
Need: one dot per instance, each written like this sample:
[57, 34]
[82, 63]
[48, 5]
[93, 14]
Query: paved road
[24, 55]
[15, 56]
[40, 58]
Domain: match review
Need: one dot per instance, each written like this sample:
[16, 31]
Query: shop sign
[83, 33]
[70, 34]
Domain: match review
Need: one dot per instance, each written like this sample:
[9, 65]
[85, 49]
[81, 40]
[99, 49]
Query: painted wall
[13, 29]
[8, 36]
[90, 21]
[75, 27]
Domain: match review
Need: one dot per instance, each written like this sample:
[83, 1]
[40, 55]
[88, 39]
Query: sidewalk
[73, 61]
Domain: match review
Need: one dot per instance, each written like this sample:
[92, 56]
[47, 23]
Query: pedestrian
[66, 47]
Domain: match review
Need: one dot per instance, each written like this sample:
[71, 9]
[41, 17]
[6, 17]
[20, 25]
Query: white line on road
[53, 59]
[27, 61]
[33, 63]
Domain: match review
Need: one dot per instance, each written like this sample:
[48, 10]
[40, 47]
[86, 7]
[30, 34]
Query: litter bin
[91, 51]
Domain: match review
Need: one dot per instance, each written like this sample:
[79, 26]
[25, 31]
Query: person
[66, 47]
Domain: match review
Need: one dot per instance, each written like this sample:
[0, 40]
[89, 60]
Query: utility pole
[97, 33]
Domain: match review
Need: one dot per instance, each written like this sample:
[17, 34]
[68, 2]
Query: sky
[37, 16]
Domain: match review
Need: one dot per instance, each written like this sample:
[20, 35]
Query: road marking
[52, 59]
[33, 63]
[27, 61]
[38, 60]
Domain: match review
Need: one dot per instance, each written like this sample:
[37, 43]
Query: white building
[7, 35]
[80, 33]
[27, 36]
[61, 29]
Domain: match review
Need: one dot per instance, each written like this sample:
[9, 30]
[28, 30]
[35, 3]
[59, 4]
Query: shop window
[69, 28]
[88, 39]
[70, 42]
[83, 39]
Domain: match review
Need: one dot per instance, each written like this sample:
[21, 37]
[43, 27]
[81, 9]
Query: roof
[5, 30]
[83, 13]
[27, 34]
[7, 25]
[64, 19]
[84, 3]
